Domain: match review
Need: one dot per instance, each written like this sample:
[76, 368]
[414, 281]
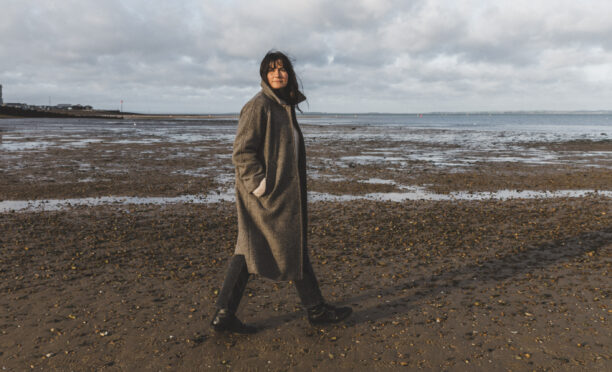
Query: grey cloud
[361, 55]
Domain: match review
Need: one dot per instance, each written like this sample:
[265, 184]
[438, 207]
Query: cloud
[367, 55]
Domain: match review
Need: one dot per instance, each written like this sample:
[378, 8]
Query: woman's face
[277, 75]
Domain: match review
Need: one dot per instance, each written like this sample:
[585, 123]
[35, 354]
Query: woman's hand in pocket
[261, 189]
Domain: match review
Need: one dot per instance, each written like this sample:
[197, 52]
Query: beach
[457, 249]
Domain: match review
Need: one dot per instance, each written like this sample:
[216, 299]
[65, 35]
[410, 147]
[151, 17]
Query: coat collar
[265, 88]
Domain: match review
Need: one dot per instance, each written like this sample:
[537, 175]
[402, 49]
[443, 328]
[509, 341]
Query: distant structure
[23, 106]
[61, 106]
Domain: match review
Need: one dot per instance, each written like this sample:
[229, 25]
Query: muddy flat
[438, 281]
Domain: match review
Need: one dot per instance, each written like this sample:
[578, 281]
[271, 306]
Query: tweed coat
[271, 228]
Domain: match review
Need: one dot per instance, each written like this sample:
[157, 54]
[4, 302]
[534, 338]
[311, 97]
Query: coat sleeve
[247, 154]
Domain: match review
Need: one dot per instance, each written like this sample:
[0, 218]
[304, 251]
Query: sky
[202, 56]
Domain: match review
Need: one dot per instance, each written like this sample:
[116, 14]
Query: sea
[542, 126]
[454, 139]
[476, 129]
[515, 126]
[473, 121]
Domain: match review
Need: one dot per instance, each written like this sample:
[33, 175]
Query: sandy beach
[436, 284]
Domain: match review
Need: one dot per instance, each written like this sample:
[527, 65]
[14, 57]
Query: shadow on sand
[493, 270]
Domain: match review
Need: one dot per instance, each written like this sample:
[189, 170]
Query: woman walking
[270, 161]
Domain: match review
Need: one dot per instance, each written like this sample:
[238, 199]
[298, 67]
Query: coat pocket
[270, 178]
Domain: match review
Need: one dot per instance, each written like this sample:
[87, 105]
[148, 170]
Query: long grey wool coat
[271, 228]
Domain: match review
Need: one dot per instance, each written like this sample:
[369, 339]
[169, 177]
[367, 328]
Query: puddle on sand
[421, 194]
[378, 181]
[25, 146]
[412, 193]
[59, 204]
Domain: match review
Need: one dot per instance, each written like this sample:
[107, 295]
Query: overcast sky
[202, 56]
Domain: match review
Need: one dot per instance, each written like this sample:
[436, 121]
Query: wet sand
[439, 285]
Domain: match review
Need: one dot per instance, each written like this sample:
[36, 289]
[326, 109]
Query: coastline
[14, 113]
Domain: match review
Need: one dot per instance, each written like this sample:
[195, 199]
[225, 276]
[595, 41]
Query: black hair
[290, 93]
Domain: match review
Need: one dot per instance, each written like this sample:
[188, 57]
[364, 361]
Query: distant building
[68, 106]
[23, 106]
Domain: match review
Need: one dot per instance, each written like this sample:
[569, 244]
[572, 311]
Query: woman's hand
[261, 189]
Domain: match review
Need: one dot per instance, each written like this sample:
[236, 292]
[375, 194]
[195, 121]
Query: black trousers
[237, 277]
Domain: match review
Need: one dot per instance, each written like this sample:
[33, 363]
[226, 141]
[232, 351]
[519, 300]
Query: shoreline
[216, 196]
[15, 113]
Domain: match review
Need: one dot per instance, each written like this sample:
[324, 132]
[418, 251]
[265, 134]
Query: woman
[270, 162]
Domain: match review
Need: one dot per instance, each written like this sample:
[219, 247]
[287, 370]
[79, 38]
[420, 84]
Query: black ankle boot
[225, 321]
[326, 314]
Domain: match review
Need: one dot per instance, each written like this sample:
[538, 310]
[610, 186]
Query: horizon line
[493, 112]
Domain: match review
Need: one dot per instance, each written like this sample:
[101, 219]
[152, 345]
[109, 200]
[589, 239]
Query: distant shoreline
[12, 113]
